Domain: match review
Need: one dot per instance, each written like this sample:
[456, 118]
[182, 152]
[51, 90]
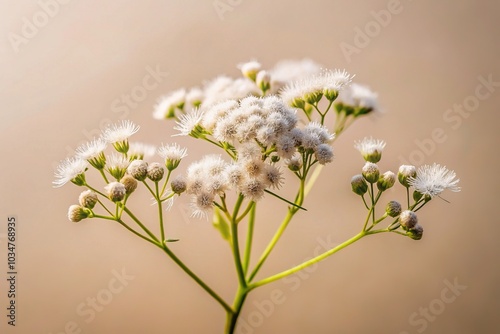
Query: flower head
[370, 149]
[250, 69]
[189, 123]
[173, 154]
[70, 169]
[116, 191]
[433, 180]
[118, 134]
[88, 199]
[141, 151]
[405, 173]
[138, 169]
[168, 104]
[360, 97]
[76, 213]
[117, 165]
[93, 152]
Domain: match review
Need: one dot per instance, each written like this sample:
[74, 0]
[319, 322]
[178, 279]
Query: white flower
[120, 131]
[172, 152]
[371, 149]
[433, 180]
[167, 104]
[194, 98]
[141, 151]
[273, 176]
[67, 170]
[250, 69]
[224, 88]
[291, 70]
[188, 123]
[360, 96]
[117, 165]
[324, 153]
[214, 113]
[202, 204]
[91, 150]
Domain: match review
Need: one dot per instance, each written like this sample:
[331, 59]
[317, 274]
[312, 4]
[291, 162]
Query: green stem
[235, 243]
[248, 244]
[232, 317]
[197, 279]
[311, 261]
[137, 233]
[144, 228]
[103, 175]
[160, 212]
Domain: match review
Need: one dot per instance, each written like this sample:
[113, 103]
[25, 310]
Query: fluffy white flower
[92, 149]
[324, 153]
[433, 180]
[290, 70]
[141, 151]
[250, 69]
[166, 105]
[360, 96]
[120, 131]
[187, 123]
[67, 170]
[224, 88]
[371, 149]
[172, 152]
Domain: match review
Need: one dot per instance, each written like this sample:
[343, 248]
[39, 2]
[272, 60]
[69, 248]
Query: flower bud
[359, 185]
[155, 172]
[408, 219]
[393, 209]
[115, 191]
[77, 213]
[416, 232]
[178, 185]
[405, 173]
[130, 184]
[417, 196]
[250, 69]
[88, 199]
[138, 169]
[386, 181]
[294, 163]
[370, 172]
[263, 80]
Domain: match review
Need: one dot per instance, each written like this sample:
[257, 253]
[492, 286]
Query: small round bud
[88, 199]
[155, 172]
[386, 181]
[405, 173]
[408, 219]
[370, 172]
[138, 169]
[130, 184]
[263, 80]
[313, 97]
[359, 185]
[416, 232]
[393, 209]
[294, 163]
[250, 69]
[116, 191]
[178, 185]
[76, 213]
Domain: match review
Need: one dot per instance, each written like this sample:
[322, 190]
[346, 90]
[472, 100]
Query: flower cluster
[427, 182]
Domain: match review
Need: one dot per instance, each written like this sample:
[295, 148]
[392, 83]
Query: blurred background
[65, 64]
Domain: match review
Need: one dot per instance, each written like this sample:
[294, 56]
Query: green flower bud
[408, 219]
[76, 213]
[393, 209]
[417, 196]
[386, 181]
[416, 232]
[405, 173]
[88, 199]
[371, 172]
[359, 185]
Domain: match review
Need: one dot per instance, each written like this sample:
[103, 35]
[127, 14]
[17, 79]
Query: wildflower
[224, 88]
[138, 169]
[294, 163]
[359, 185]
[88, 199]
[214, 113]
[393, 209]
[118, 134]
[250, 69]
[178, 185]
[76, 213]
[386, 181]
[273, 176]
[333, 82]
[370, 172]
[130, 184]
[70, 169]
[189, 124]
[194, 98]
[93, 152]
[116, 191]
[408, 219]
[155, 172]
[433, 180]
[324, 153]
[252, 188]
[117, 165]
[202, 204]
[168, 104]
[405, 173]
[263, 81]
[141, 151]
[291, 70]
[360, 97]
[173, 154]
[319, 131]
[370, 149]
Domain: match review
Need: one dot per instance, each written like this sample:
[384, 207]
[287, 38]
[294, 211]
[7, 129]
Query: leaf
[221, 225]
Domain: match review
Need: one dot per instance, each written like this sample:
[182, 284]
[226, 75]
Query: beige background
[65, 78]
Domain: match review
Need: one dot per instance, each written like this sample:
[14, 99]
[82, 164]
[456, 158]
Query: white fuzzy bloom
[315, 128]
[360, 96]
[290, 70]
[272, 176]
[67, 170]
[212, 114]
[117, 161]
[252, 188]
[187, 123]
[172, 152]
[165, 108]
[115, 191]
[202, 205]
[224, 88]
[141, 151]
[334, 79]
[324, 153]
[371, 149]
[92, 149]
[433, 180]
[250, 69]
[120, 131]
[193, 98]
